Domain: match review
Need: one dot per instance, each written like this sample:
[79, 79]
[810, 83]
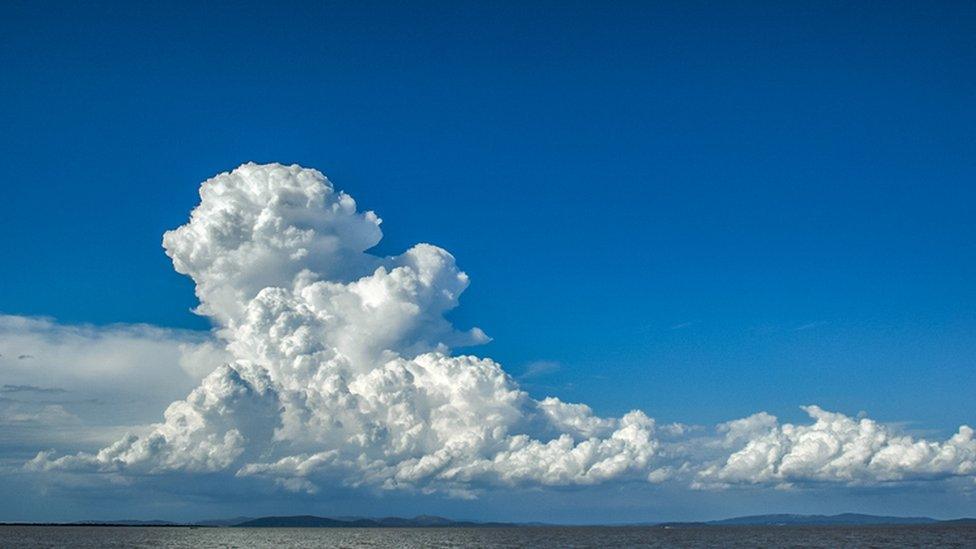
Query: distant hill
[309, 521]
[430, 521]
[124, 523]
[223, 522]
[845, 519]
[304, 521]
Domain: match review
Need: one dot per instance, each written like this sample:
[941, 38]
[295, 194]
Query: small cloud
[678, 429]
[540, 368]
[30, 389]
[810, 325]
[50, 415]
[682, 326]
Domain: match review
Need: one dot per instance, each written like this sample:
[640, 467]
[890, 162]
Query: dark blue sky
[697, 209]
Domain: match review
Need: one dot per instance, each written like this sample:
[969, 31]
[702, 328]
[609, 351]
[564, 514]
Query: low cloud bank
[834, 448]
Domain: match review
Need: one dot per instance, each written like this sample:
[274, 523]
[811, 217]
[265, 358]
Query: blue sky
[700, 210]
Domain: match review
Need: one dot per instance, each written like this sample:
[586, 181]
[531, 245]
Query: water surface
[714, 536]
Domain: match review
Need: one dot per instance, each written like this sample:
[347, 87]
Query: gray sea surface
[542, 536]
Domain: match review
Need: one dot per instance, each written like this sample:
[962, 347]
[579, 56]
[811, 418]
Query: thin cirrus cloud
[7, 388]
[334, 367]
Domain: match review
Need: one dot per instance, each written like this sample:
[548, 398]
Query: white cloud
[63, 384]
[540, 368]
[130, 358]
[339, 372]
[834, 448]
[14, 413]
[341, 369]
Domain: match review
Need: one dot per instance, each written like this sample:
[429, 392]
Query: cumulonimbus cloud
[341, 371]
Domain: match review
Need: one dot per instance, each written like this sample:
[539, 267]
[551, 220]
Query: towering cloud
[341, 368]
[340, 371]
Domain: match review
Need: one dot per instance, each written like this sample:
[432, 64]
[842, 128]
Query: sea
[531, 536]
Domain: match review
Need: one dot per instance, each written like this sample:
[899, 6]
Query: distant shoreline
[427, 521]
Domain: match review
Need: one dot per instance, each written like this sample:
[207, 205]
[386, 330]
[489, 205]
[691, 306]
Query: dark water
[733, 536]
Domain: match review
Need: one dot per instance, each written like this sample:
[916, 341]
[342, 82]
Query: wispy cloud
[7, 388]
[540, 368]
[810, 325]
